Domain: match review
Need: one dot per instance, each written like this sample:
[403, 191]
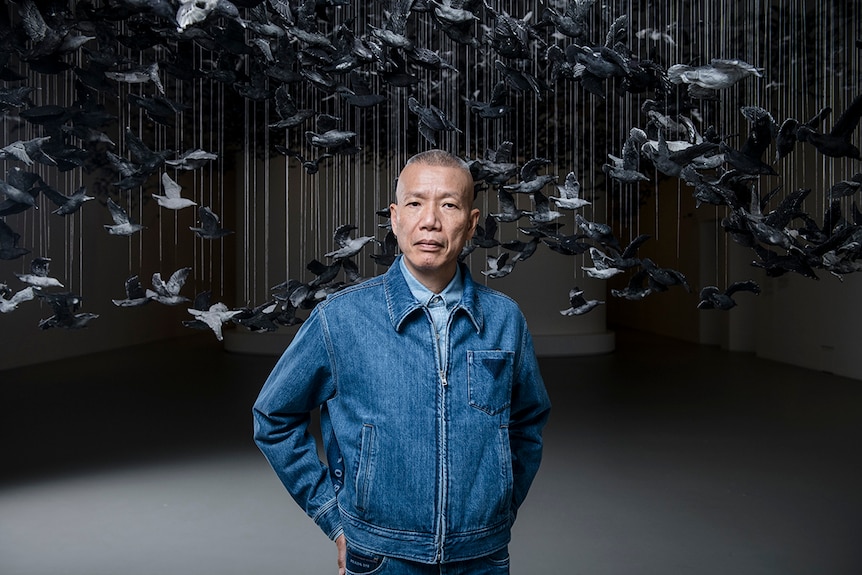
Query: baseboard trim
[567, 345]
[274, 343]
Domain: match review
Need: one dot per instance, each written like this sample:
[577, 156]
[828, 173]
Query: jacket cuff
[329, 519]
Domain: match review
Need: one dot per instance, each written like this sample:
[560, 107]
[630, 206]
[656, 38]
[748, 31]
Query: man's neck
[436, 281]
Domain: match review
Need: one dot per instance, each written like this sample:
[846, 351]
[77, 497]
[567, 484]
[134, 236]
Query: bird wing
[123, 166]
[601, 261]
[213, 319]
[56, 197]
[818, 117]
[202, 300]
[17, 151]
[576, 297]
[172, 189]
[748, 285]
[707, 297]
[848, 120]
[32, 21]
[390, 243]
[631, 150]
[761, 132]
[118, 214]
[490, 227]
[285, 107]
[503, 154]
[541, 202]
[577, 9]
[22, 180]
[8, 237]
[497, 263]
[25, 294]
[342, 234]
[399, 11]
[636, 282]
[679, 277]
[139, 150]
[498, 94]
[360, 84]
[209, 219]
[617, 28]
[786, 136]
[159, 285]
[572, 188]
[507, 201]
[633, 246]
[530, 170]
[708, 292]
[134, 290]
[177, 279]
[734, 67]
[327, 122]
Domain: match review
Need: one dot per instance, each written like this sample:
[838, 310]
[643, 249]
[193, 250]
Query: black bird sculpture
[836, 143]
[9, 239]
[210, 228]
[711, 297]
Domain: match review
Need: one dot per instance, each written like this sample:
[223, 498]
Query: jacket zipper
[443, 475]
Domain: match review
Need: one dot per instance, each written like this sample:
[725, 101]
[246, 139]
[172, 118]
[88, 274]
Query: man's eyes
[448, 205]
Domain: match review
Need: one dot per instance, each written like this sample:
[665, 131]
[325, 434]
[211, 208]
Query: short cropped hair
[438, 158]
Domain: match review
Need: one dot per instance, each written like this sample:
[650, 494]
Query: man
[431, 402]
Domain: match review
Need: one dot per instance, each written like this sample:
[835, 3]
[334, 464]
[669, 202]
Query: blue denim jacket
[426, 462]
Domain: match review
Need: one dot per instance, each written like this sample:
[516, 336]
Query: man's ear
[474, 220]
[393, 216]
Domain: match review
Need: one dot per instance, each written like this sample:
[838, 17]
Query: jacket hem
[422, 546]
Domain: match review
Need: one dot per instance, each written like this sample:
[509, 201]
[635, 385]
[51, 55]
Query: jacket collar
[401, 304]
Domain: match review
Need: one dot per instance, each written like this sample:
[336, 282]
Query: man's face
[433, 219]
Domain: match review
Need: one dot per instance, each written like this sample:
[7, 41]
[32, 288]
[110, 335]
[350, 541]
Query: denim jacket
[426, 462]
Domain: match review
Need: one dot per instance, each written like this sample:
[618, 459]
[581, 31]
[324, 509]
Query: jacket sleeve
[300, 382]
[530, 410]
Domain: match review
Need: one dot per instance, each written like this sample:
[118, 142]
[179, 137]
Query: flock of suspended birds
[290, 43]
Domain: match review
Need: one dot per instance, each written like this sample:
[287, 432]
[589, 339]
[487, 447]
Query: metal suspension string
[216, 125]
[258, 172]
[248, 165]
[267, 184]
[140, 189]
[835, 98]
[300, 209]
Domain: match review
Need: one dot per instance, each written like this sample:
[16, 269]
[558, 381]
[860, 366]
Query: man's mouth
[429, 243]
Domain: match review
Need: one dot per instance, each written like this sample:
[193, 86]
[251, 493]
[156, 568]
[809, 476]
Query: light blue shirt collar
[451, 294]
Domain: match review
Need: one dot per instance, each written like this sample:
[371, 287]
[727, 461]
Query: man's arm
[300, 382]
[529, 413]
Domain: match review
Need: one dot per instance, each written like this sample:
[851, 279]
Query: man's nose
[430, 219]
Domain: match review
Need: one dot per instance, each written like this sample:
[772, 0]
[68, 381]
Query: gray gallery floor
[662, 458]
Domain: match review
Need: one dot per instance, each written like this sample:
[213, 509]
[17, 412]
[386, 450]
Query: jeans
[359, 563]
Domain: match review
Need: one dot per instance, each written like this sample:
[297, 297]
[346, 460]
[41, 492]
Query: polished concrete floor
[662, 458]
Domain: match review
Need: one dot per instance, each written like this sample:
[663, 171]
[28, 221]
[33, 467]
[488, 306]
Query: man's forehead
[424, 192]
[425, 180]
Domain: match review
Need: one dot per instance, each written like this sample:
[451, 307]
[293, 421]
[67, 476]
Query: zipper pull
[443, 379]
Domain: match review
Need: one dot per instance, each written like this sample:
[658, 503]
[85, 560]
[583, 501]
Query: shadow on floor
[662, 457]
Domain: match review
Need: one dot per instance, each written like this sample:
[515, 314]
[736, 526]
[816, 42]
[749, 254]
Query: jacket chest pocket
[489, 379]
